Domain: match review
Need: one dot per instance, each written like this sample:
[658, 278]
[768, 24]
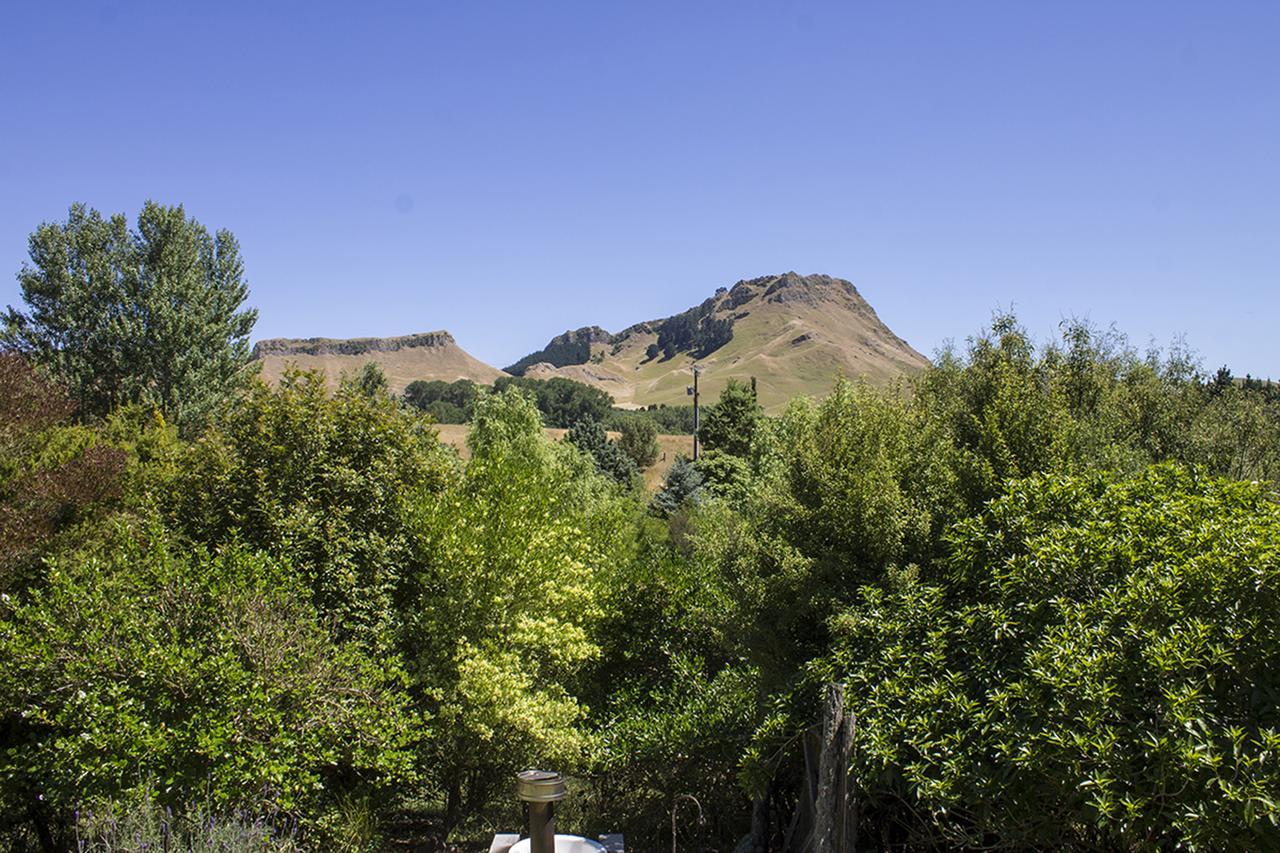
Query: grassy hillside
[795, 334]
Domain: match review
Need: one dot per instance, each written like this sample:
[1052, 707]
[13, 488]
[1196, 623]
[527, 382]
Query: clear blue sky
[507, 171]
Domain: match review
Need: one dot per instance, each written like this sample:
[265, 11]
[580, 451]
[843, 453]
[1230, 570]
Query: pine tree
[589, 435]
[683, 483]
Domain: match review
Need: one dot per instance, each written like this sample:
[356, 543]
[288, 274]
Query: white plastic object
[564, 844]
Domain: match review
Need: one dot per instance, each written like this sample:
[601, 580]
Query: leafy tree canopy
[639, 440]
[150, 315]
[1091, 642]
[731, 424]
[326, 482]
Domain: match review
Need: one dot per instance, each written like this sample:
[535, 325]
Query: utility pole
[697, 369]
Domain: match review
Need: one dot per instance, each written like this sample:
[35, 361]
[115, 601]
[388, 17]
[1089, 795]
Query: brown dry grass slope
[431, 355]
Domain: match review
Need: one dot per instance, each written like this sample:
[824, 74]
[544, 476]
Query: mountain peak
[795, 333]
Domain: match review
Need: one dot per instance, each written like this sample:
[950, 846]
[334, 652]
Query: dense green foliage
[1046, 575]
[445, 402]
[639, 440]
[211, 676]
[730, 425]
[696, 331]
[505, 604]
[610, 457]
[669, 420]
[150, 315]
[328, 483]
[563, 402]
[370, 381]
[54, 477]
[558, 353]
[1093, 665]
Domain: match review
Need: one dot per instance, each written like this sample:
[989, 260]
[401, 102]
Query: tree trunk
[760, 820]
[40, 824]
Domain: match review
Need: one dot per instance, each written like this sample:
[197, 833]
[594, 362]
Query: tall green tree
[639, 440]
[731, 423]
[323, 481]
[150, 315]
[513, 556]
[371, 380]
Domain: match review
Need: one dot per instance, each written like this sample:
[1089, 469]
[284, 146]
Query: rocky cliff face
[349, 346]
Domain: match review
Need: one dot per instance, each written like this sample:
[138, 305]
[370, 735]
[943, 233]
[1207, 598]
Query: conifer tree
[683, 483]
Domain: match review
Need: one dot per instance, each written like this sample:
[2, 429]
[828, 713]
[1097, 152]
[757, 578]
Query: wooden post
[830, 833]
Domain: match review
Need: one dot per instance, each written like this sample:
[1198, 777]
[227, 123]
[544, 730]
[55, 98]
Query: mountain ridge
[794, 334]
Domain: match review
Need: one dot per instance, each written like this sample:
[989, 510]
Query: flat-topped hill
[427, 355]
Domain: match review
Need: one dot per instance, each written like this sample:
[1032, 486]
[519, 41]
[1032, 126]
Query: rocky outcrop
[428, 355]
[349, 346]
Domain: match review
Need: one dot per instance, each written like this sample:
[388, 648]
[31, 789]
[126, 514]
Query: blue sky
[507, 171]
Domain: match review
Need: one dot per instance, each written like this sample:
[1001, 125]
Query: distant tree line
[669, 420]
[562, 402]
[445, 402]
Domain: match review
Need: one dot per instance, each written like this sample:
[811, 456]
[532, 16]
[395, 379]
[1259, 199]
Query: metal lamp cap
[540, 786]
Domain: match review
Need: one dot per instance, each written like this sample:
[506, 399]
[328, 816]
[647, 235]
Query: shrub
[325, 482]
[53, 476]
[1097, 668]
[209, 676]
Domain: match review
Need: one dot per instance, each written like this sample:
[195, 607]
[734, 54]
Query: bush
[1096, 668]
[325, 482]
[210, 677]
[53, 476]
